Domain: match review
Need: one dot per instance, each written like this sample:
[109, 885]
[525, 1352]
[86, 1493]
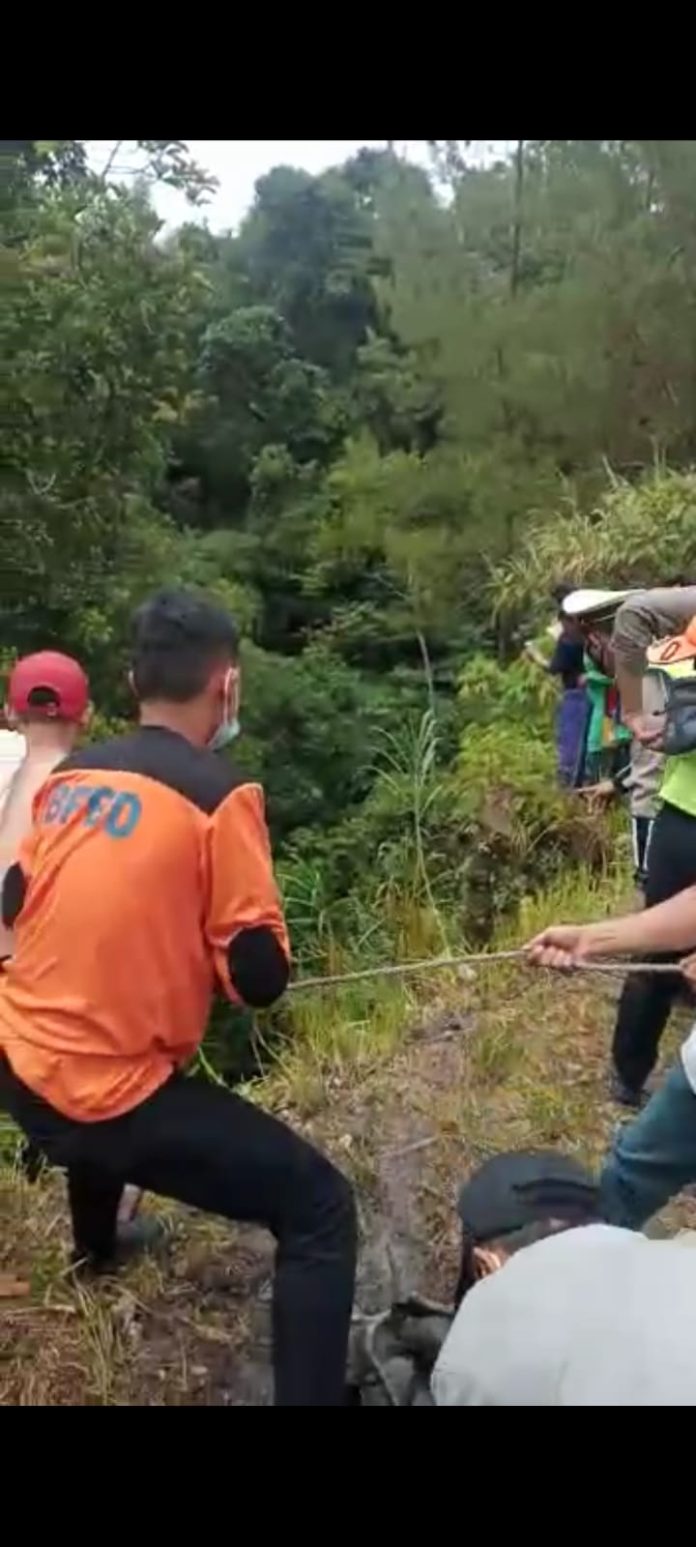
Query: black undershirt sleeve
[258, 967]
[14, 891]
[257, 964]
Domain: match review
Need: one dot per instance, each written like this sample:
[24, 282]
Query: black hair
[41, 698]
[178, 637]
[515, 1241]
[38, 701]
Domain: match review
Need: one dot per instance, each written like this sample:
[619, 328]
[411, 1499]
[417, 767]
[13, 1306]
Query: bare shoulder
[24, 786]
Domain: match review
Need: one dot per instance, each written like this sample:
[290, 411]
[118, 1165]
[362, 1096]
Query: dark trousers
[652, 1158]
[206, 1147]
[641, 837]
[647, 998]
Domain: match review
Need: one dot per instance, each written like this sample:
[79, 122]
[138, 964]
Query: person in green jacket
[607, 741]
[606, 751]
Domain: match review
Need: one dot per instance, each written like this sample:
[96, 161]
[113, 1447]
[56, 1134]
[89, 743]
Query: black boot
[625, 1095]
[133, 1238]
[31, 1161]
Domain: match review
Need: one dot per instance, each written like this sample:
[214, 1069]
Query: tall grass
[345, 1033]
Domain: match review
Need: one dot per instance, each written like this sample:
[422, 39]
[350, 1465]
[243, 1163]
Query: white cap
[585, 604]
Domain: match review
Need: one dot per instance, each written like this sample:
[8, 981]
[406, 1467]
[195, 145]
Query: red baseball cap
[60, 674]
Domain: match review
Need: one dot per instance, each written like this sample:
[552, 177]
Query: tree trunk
[517, 219]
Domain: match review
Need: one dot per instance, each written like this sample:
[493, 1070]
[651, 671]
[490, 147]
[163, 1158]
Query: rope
[482, 958]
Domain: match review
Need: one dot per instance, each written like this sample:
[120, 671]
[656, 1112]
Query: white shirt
[688, 1058]
[593, 1317]
[24, 773]
[12, 749]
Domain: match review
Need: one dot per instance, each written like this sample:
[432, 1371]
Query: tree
[96, 339]
[253, 392]
[387, 389]
[306, 247]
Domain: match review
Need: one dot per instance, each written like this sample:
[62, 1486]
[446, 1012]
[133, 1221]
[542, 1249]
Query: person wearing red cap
[48, 703]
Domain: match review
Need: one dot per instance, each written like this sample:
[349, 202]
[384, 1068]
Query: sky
[238, 163]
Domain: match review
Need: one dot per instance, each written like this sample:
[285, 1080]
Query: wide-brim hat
[592, 603]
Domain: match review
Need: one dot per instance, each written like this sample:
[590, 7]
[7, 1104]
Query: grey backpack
[392, 1355]
[680, 719]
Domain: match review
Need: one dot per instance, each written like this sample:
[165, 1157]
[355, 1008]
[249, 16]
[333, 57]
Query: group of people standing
[137, 879]
[591, 739]
[562, 1300]
[596, 751]
[628, 650]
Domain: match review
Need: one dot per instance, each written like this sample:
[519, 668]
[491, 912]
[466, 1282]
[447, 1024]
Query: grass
[346, 1032]
[408, 1084]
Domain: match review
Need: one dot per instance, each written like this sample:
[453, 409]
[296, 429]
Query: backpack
[392, 1355]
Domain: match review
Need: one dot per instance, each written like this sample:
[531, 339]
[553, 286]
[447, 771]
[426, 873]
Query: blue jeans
[652, 1158]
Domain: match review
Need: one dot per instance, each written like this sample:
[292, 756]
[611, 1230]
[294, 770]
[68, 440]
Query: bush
[640, 534]
[440, 853]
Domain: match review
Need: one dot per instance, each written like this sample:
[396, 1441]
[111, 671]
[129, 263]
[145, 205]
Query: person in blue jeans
[654, 1157]
[566, 664]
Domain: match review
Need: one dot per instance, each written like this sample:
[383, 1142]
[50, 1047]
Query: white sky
[238, 163]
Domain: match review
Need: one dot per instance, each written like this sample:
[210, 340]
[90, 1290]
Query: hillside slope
[507, 1059]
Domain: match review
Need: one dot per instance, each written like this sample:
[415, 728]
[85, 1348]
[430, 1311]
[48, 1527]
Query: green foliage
[306, 248]
[443, 849]
[392, 398]
[310, 732]
[380, 425]
[396, 541]
[94, 342]
[256, 395]
[519, 693]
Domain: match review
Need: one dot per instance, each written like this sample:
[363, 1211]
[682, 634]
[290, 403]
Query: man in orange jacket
[145, 882]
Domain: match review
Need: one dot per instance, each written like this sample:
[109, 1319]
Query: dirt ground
[507, 1064]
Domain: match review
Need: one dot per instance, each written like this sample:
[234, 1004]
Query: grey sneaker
[145, 1233]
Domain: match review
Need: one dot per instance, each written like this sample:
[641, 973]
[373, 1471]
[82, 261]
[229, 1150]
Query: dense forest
[380, 421]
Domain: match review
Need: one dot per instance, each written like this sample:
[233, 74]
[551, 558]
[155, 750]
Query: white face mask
[229, 726]
[227, 731]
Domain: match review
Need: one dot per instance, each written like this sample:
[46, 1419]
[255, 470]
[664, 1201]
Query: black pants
[646, 999]
[206, 1147]
[641, 835]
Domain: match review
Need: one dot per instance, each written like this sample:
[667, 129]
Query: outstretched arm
[533, 653]
[639, 622]
[670, 926]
